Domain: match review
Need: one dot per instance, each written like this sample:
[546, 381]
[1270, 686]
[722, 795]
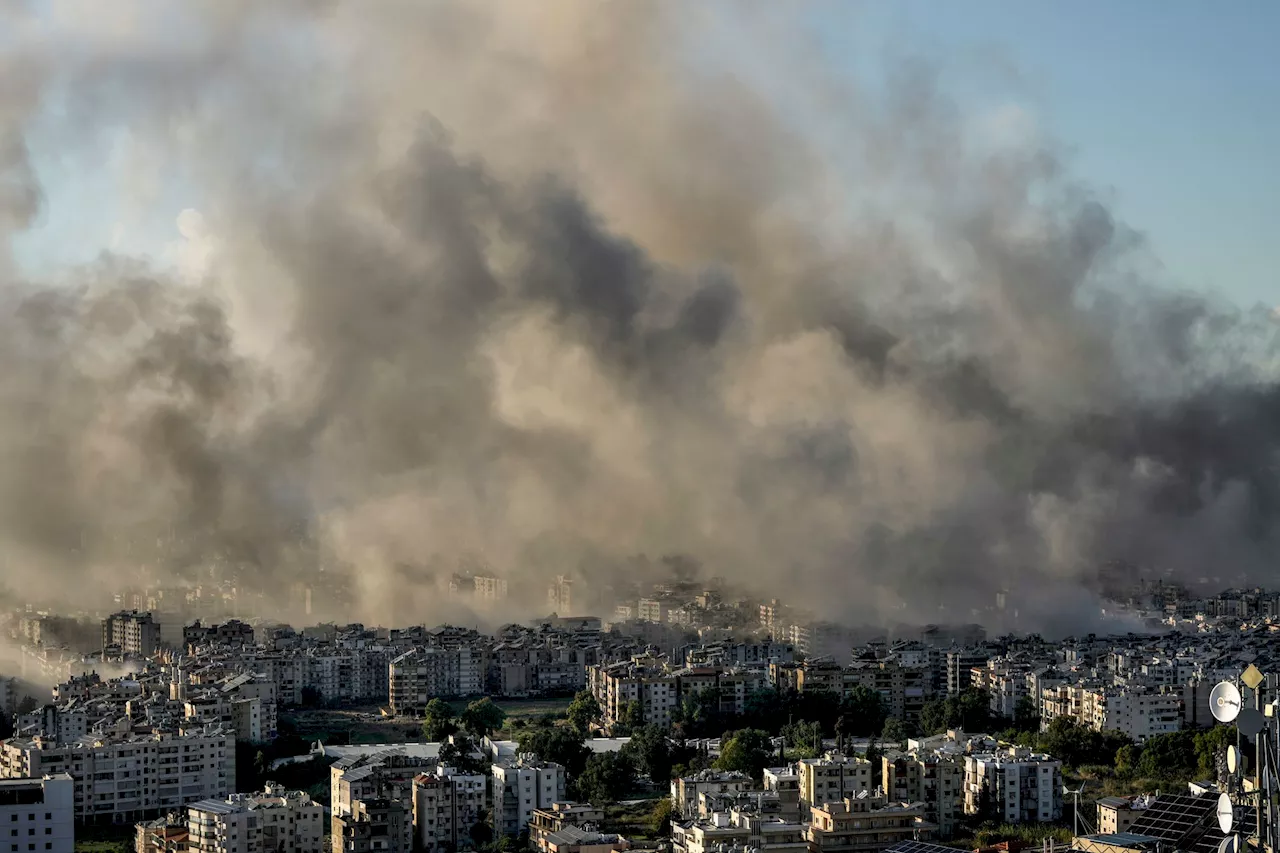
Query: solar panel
[918, 847]
[1174, 817]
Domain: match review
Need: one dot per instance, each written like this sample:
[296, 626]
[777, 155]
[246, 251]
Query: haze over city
[388, 291]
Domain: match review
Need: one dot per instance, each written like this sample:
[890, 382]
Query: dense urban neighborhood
[688, 720]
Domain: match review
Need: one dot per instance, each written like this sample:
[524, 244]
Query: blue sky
[1172, 107]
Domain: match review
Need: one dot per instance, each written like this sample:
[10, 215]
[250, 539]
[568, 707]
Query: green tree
[311, 697]
[481, 832]
[803, 739]
[561, 744]
[460, 753]
[482, 717]
[1169, 756]
[607, 778]
[438, 722]
[583, 711]
[970, 711]
[1210, 744]
[1076, 745]
[660, 818]
[896, 731]
[1025, 715]
[747, 751]
[864, 711]
[1127, 758]
[650, 751]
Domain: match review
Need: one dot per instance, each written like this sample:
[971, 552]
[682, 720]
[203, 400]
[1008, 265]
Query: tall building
[266, 822]
[833, 778]
[560, 594]
[131, 632]
[1013, 786]
[866, 824]
[445, 807]
[520, 788]
[37, 814]
[936, 780]
[133, 777]
[385, 826]
[490, 588]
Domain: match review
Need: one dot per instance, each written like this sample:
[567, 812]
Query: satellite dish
[1230, 844]
[1224, 702]
[1233, 759]
[1250, 722]
[1226, 814]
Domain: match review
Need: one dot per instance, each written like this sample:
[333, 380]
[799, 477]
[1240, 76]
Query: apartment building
[166, 834]
[560, 595]
[1013, 785]
[386, 774]
[490, 588]
[1140, 714]
[131, 632]
[130, 777]
[272, 820]
[518, 789]
[731, 687]
[418, 676]
[641, 680]
[548, 821]
[865, 824]
[833, 778]
[784, 783]
[653, 610]
[38, 814]
[686, 790]
[738, 830]
[936, 780]
[381, 825]
[445, 807]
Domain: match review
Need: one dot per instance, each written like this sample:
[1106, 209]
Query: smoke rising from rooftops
[550, 285]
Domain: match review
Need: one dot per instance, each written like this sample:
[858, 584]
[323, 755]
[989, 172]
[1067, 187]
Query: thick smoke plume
[549, 285]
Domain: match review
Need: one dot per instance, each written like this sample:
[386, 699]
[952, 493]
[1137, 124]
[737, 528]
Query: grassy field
[365, 725]
[104, 839]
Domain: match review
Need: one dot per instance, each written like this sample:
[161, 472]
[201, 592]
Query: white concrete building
[1138, 713]
[272, 820]
[1014, 785]
[521, 787]
[130, 777]
[445, 807]
[832, 778]
[38, 814]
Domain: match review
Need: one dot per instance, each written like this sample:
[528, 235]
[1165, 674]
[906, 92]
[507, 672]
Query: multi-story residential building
[1139, 714]
[640, 680]
[385, 774]
[784, 783]
[166, 834]
[38, 814]
[738, 829]
[445, 807]
[130, 777]
[560, 595]
[865, 825]
[384, 826]
[521, 787]
[559, 816]
[730, 687]
[653, 610]
[490, 588]
[132, 633]
[685, 790]
[265, 822]
[1013, 785]
[418, 676]
[832, 778]
[934, 779]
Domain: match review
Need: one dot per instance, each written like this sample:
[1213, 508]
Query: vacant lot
[365, 724]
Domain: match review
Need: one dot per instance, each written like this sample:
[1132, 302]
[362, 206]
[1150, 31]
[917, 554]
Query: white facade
[37, 814]
[520, 788]
[256, 823]
[445, 807]
[1017, 785]
[1140, 714]
[133, 777]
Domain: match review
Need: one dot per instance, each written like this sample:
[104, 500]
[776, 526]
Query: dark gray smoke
[546, 286]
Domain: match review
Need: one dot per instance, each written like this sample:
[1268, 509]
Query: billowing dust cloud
[546, 286]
